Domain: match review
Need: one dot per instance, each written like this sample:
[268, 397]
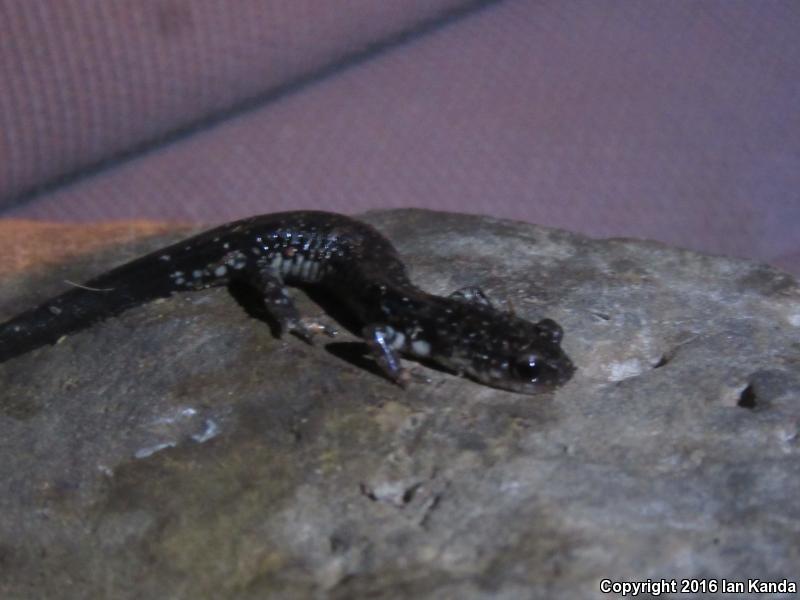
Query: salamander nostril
[551, 330]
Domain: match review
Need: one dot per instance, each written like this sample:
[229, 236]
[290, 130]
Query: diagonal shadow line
[353, 59]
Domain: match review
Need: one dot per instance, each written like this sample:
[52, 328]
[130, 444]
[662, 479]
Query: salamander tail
[73, 310]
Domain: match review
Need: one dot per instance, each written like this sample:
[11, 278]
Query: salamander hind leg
[280, 307]
[472, 295]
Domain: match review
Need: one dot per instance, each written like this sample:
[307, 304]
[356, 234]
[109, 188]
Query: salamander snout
[531, 363]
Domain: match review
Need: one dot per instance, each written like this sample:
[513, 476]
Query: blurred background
[675, 121]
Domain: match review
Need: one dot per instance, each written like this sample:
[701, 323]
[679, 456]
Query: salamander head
[520, 356]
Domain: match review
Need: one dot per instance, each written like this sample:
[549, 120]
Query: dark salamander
[348, 260]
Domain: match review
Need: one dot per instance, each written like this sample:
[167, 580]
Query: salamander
[346, 259]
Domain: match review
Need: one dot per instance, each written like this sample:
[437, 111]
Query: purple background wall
[673, 121]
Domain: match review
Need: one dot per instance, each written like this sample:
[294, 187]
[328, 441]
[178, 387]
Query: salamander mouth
[547, 378]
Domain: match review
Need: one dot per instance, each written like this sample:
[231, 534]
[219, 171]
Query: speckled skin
[348, 259]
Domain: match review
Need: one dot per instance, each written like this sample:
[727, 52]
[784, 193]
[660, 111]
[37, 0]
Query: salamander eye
[527, 367]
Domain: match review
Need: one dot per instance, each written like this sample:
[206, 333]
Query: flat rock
[181, 451]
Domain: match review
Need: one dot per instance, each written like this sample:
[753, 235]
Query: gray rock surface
[180, 451]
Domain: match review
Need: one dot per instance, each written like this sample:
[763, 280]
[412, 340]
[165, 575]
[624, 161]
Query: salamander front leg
[379, 340]
[475, 295]
[472, 295]
[280, 307]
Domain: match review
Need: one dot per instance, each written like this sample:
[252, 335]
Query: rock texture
[180, 451]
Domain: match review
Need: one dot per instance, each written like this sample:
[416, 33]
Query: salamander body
[350, 260]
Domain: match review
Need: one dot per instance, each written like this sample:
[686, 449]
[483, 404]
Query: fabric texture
[85, 80]
[670, 121]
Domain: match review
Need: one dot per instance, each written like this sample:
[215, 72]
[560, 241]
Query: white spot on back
[220, 271]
